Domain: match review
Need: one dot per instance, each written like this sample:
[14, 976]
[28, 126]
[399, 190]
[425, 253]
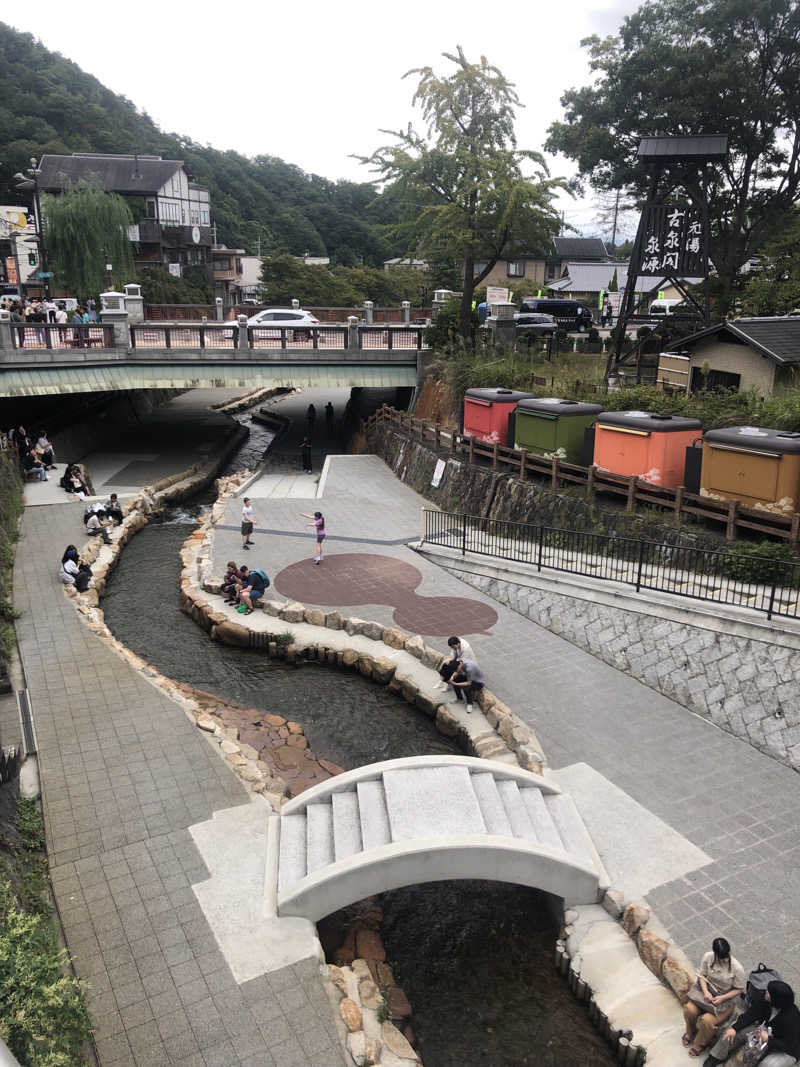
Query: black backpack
[757, 982]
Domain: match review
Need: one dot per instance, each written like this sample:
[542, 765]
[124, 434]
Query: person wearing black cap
[776, 1019]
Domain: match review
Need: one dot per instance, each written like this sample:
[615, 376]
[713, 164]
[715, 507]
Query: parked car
[569, 314]
[538, 325]
[285, 318]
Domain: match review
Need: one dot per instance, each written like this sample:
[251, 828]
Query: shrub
[759, 561]
[593, 336]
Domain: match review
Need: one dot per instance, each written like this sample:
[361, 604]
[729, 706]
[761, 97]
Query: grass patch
[284, 639]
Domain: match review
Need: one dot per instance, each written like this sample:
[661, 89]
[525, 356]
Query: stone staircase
[413, 814]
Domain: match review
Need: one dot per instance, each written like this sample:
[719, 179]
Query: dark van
[569, 314]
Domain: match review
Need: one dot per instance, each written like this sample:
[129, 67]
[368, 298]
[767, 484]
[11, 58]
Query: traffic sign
[44, 274]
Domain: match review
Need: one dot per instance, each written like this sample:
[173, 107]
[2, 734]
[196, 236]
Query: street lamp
[28, 184]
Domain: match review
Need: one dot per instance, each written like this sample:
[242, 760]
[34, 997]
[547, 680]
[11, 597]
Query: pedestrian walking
[608, 312]
[330, 417]
[248, 519]
[318, 522]
[311, 416]
[305, 454]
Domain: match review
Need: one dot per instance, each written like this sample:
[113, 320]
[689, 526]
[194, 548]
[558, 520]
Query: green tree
[681, 67]
[86, 228]
[461, 187]
[775, 290]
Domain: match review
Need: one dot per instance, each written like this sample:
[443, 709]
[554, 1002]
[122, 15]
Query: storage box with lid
[487, 413]
[551, 426]
[757, 466]
[644, 443]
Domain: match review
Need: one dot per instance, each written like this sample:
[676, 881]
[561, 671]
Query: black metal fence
[701, 574]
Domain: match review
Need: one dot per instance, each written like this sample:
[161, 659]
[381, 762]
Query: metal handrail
[695, 573]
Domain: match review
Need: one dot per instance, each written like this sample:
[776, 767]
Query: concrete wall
[745, 678]
[757, 372]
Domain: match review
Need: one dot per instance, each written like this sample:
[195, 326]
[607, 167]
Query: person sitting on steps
[98, 524]
[468, 681]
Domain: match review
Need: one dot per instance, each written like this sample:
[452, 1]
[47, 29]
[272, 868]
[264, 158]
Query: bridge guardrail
[185, 335]
[313, 337]
[45, 335]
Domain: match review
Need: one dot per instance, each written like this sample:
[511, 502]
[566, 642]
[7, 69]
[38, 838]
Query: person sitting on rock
[114, 509]
[459, 649]
[231, 583]
[253, 586]
[73, 572]
[98, 524]
[32, 464]
[720, 980]
[775, 1022]
[468, 681]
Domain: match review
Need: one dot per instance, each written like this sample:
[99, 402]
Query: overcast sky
[315, 83]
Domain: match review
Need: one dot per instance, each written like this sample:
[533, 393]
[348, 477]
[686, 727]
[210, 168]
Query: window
[222, 264]
[478, 268]
[150, 208]
[715, 380]
[238, 266]
[516, 268]
[205, 219]
[170, 212]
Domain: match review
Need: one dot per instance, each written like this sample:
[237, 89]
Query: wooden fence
[634, 490]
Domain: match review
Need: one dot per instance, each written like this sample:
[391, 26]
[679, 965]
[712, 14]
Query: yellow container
[756, 466]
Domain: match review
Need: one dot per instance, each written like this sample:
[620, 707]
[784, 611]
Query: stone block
[351, 1014]
[337, 977]
[357, 1047]
[394, 638]
[349, 657]
[426, 704]
[334, 620]
[383, 670]
[314, 616]
[416, 646]
[233, 633]
[446, 721]
[396, 1043]
[652, 949]
[369, 994]
[366, 665]
[678, 973]
[293, 612]
[432, 658]
[614, 903]
[634, 918]
[273, 607]
[205, 722]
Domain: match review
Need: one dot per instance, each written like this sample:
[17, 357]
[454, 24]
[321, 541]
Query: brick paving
[124, 774]
[737, 804]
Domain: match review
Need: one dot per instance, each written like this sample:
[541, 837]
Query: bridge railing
[190, 335]
[310, 337]
[44, 335]
[391, 336]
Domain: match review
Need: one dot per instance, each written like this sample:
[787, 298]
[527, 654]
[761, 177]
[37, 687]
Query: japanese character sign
[673, 241]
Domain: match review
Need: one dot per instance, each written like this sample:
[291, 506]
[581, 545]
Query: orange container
[758, 467]
[651, 446]
[487, 413]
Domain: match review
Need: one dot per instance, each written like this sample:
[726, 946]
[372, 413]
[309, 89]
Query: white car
[286, 318]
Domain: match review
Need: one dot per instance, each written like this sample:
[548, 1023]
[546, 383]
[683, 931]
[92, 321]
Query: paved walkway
[124, 776]
[700, 821]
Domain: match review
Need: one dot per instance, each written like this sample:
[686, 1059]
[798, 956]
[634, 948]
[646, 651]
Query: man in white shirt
[98, 524]
[248, 519]
[459, 649]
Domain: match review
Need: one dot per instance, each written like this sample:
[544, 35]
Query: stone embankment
[257, 747]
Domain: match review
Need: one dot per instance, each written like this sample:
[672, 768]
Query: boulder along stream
[475, 959]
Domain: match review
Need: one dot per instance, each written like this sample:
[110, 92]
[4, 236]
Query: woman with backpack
[720, 980]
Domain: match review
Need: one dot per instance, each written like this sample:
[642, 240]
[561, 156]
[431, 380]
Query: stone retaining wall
[749, 687]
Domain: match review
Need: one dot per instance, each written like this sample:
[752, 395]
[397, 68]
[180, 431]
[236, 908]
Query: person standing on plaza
[318, 522]
[311, 417]
[305, 454]
[248, 520]
[330, 417]
[459, 649]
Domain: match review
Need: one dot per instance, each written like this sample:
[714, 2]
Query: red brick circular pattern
[354, 578]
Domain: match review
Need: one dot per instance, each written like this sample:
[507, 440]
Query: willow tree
[85, 228]
[464, 189]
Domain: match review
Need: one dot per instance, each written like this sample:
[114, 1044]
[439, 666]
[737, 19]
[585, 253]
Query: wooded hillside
[48, 104]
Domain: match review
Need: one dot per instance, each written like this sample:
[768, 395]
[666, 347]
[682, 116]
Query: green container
[545, 426]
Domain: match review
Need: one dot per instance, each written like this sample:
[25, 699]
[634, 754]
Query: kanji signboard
[673, 241]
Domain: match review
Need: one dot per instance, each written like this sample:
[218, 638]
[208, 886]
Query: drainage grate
[26, 722]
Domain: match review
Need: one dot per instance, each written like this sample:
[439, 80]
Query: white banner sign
[438, 471]
[496, 295]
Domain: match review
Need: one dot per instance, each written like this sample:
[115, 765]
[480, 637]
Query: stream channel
[474, 958]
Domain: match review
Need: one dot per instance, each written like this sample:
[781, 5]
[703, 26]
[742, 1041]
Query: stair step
[543, 824]
[346, 825]
[292, 851]
[491, 804]
[570, 827]
[373, 815]
[521, 825]
[319, 836]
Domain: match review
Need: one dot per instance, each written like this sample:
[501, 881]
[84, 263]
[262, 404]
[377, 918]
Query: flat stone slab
[431, 802]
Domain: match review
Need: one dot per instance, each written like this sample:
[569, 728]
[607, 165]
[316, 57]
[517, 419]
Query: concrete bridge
[425, 819]
[45, 360]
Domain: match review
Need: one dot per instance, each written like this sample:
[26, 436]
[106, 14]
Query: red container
[487, 413]
[651, 446]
